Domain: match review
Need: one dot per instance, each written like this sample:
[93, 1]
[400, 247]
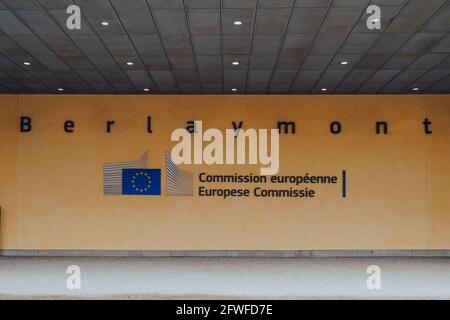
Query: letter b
[25, 124]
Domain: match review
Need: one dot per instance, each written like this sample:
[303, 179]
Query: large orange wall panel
[398, 191]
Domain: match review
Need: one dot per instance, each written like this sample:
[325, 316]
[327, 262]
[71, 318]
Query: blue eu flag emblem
[141, 181]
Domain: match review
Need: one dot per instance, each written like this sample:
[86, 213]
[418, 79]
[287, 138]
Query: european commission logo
[131, 178]
[141, 181]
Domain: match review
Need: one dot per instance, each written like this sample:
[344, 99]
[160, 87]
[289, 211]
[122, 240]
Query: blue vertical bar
[344, 184]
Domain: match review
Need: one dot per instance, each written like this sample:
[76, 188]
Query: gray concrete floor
[272, 278]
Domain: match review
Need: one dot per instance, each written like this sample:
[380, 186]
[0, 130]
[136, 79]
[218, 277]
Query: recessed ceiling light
[146, 89]
[234, 90]
[416, 89]
[235, 63]
[104, 23]
[130, 63]
[27, 63]
[344, 63]
[324, 89]
[60, 89]
[237, 23]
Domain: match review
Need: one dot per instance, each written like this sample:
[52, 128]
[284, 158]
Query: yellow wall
[51, 187]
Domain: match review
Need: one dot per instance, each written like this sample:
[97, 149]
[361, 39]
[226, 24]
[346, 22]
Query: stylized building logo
[178, 182]
[131, 178]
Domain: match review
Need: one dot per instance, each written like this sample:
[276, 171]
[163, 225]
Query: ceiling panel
[414, 14]
[55, 4]
[21, 4]
[206, 44]
[306, 20]
[212, 88]
[96, 17]
[317, 62]
[428, 60]
[171, 22]
[350, 3]
[198, 4]
[209, 62]
[383, 75]
[137, 21]
[313, 3]
[147, 44]
[273, 20]
[297, 44]
[401, 60]
[210, 76]
[259, 76]
[246, 16]
[290, 61]
[443, 45]
[204, 21]
[341, 19]
[182, 62]
[358, 76]
[284, 75]
[32, 44]
[236, 44]
[136, 5]
[11, 25]
[39, 21]
[328, 43]
[12, 48]
[165, 4]
[440, 22]
[239, 3]
[266, 43]
[422, 41]
[263, 62]
[177, 45]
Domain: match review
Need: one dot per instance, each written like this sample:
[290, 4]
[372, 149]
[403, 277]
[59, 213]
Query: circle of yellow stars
[148, 184]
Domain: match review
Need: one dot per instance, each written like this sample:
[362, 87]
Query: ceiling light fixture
[104, 23]
[60, 89]
[27, 63]
[344, 63]
[237, 23]
[146, 89]
[324, 89]
[235, 63]
[416, 89]
[234, 90]
[130, 63]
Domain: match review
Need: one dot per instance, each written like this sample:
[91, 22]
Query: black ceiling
[188, 46]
